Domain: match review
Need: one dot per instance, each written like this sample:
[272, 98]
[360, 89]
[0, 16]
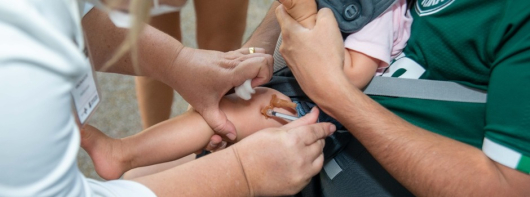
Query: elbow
[356, 78]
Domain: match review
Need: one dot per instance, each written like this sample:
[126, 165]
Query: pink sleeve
[385, 37]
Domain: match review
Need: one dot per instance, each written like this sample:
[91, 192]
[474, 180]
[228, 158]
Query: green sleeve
[507, 136]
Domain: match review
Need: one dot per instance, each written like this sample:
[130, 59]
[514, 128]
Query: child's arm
[359, 68]
[303, 11]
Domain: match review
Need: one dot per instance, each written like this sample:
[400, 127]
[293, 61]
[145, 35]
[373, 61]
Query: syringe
[271, 113]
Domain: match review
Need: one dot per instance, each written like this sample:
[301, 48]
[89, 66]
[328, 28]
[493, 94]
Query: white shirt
[40, 57]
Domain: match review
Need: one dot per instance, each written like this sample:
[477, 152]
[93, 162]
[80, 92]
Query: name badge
[85, 96]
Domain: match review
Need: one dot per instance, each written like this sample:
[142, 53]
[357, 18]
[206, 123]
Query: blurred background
[118, 115]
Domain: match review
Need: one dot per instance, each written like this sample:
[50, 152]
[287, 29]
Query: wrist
[266, 34]
[166, 71]
[344, 93]
[236, 154]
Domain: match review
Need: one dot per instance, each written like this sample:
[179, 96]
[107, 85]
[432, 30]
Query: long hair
[139, 10]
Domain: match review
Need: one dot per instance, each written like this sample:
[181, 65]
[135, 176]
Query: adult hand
[281, 161]
[203, 77]
[316, 53]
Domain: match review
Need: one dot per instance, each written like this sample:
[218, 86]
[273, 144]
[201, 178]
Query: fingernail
[231, 136]
[332, 127]
[223, 144]
[213, 145]
[313, 109]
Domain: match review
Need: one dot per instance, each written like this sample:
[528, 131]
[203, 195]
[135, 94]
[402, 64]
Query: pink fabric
[385, 37]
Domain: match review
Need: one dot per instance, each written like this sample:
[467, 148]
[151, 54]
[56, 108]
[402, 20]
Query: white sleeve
[87, 7]
[39, 139]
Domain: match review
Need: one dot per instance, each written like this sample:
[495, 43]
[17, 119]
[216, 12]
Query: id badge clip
[86, 97]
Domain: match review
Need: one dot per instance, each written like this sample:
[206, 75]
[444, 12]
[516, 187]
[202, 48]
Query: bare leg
[177, 137]
[220, 26]
[154, 97]
[152, 169]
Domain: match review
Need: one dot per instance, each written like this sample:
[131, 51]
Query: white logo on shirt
[404, 67]
[428, 7]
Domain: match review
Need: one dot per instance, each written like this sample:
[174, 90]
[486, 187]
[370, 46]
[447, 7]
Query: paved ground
[118, 114]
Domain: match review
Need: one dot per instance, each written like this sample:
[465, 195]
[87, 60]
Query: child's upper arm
[376, 44]
[385, 37]
[359, 67]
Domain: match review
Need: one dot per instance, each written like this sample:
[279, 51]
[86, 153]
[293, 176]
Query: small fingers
[287, 23]
[221, 146]
[215, 142]
[288, 4]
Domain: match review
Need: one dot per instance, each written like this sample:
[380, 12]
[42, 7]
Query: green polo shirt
[481, 44]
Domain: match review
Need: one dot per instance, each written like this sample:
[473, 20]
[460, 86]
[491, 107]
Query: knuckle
[217, 126]
[293, 141]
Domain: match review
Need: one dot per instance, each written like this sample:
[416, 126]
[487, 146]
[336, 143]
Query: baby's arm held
[303, 11]
[359, 68]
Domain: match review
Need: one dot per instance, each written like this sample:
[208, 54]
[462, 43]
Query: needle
[270, 112]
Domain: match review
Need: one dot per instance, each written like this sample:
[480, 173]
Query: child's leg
[303, 11]
[176, 137]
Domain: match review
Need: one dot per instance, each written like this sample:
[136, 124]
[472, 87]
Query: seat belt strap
[424, 89]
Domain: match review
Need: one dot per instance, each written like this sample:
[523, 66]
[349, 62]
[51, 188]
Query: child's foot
[303, 11]
[106, 153]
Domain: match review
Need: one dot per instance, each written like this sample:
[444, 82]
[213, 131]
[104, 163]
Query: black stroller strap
[353, 15]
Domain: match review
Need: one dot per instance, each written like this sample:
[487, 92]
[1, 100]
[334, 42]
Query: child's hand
[216, 144]
[303, 11]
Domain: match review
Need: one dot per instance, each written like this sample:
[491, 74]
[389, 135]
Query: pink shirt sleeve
[385, 37]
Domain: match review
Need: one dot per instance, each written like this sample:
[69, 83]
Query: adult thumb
[218, 121]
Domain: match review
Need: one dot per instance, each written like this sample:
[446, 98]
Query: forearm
[267, 33]
[426, 163]
[156, 51]
[217, 174]
[168, 140]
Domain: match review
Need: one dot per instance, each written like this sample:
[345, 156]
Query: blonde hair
[139, 10]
